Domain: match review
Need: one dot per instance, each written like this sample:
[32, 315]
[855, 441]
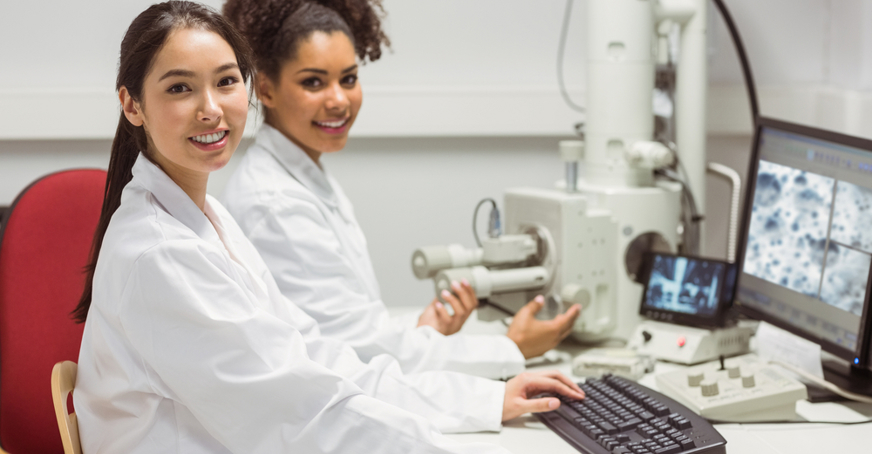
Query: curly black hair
[274, 28]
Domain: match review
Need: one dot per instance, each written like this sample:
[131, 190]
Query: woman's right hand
[520, 388]
[463, 301]
[535, 337]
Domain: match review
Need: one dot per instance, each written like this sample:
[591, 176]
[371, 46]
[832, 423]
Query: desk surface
[527, 435]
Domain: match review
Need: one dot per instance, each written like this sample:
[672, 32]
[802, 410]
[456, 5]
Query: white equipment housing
[593, 234]
[580, 248]
[689, 345]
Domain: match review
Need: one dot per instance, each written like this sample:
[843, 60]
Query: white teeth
[331, 124]
[210, 138]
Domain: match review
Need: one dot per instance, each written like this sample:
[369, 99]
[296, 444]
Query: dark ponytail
[144, 38]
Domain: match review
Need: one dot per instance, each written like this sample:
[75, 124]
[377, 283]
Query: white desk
[526, 435]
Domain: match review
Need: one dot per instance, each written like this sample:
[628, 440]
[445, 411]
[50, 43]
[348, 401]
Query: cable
[486, 302]
[690, 215]
[823, 383]
[560, 52]
[475, 217]
[842, 423]
[735, 200]
[743, 59]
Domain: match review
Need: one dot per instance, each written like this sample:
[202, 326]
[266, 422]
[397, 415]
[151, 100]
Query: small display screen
[686, 288]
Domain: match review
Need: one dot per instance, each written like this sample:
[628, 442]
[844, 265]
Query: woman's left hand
[463, 301]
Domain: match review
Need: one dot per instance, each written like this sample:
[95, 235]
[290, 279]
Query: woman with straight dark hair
[189, 346]
[299, 218]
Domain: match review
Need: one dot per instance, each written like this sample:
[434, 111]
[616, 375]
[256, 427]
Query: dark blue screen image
[686, 285]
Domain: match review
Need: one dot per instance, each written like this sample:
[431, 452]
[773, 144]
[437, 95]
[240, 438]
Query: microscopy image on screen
[684, 285]
[845, 277]
[852, 216]
[788, 231]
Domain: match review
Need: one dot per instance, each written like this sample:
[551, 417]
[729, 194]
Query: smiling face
[316, 97]
[193, 107]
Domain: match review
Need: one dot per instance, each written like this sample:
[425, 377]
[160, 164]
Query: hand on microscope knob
[463, 301]
[535, 337]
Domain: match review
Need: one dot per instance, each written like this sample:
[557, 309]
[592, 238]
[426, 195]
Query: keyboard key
[646, 415]
[668, 449]
[646, 432]
[630, 424]
[687, 444]
[608, 428]
[683, 424]
[660, 410]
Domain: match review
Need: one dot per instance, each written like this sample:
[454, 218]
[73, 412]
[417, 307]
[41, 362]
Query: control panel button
[709, 388]
[733, 372]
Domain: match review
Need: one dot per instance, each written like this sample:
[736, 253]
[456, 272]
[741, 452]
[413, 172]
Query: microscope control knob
[695, 379]
[733, 372]
[574, 294]
[709, 388]
[748, 381]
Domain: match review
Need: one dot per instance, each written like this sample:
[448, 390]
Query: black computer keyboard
[619, 416]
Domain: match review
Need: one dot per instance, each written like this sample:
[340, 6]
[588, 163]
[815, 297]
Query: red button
[681, 341]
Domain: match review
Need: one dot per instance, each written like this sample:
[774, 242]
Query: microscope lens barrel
[487, 282]
[510, 280]
[429, 260]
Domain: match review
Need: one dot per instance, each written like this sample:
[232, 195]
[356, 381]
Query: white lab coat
[189, 347]
[301, 222]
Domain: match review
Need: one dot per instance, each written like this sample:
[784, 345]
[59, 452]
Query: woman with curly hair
[189, 345]
[299, 218]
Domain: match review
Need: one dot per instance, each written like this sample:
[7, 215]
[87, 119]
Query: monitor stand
[843, 375]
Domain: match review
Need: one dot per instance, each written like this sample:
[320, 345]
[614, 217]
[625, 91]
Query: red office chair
[45, 240]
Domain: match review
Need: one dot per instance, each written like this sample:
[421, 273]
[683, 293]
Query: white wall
[464, 106]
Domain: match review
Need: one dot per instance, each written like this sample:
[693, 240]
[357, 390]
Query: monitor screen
[807, 243]
[685, 289]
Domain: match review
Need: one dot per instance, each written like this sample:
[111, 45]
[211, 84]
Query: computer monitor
[806, 244]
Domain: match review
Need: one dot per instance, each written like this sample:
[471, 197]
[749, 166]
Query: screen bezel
[682, 318]
[861, 356]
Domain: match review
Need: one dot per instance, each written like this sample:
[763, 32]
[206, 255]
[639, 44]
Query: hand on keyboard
[519, 392]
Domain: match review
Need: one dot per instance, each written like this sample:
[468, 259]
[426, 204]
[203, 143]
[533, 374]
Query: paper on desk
[774, 343]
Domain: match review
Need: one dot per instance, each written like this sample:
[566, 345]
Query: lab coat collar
[297, 163]
[173, 198]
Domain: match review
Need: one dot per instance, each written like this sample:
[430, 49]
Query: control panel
[739, 389]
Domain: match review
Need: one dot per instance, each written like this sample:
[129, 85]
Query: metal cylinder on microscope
[429, 260]
[487, 282]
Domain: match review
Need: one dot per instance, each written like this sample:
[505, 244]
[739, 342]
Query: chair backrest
[63, 380]
[45, 242]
